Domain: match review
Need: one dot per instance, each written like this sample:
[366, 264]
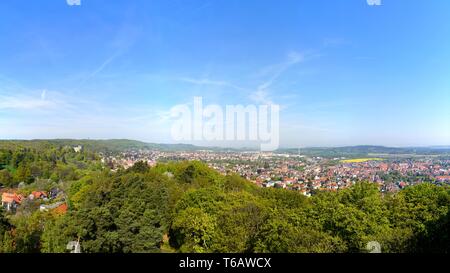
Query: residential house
[10, 201]
[58, 207]
[38, 195]
[78, 148]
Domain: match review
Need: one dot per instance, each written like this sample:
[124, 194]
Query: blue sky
[344, 72]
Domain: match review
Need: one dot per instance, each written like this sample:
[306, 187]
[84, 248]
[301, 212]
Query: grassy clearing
[360, 160]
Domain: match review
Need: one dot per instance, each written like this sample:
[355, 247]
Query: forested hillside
[104, 146]
[188, 207]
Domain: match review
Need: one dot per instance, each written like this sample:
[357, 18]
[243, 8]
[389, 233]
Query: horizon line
[225, 147]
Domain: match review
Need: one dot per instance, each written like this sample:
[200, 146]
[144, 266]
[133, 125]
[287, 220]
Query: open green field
[360, 160]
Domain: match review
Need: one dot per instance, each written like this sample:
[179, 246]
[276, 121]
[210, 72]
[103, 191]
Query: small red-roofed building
[59, 208]
[10, 201]
[39, 194]
[62, 209]
[443, 178]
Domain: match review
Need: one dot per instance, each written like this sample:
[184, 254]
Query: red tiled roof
[443, 177]
[39, 194]
[62, 209]
[10, 197]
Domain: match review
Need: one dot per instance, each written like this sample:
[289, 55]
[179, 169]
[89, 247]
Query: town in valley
[304, 173]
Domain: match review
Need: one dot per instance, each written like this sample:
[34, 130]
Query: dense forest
[104, 146]
[188, 207]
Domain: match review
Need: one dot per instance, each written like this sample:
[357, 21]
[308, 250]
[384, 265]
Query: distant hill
[119, 145]
[366, 150]
[111, 145]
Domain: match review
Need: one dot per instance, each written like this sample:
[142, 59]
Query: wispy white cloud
[43, 101]
[124, 39]
[100, 68]
[104, 65]
[293, 58]
[262, 93]
[43, 94]
[26, 102]
[261, 97]
[205, 81]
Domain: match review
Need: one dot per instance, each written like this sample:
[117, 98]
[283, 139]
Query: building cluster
[53, 200]
[302, 173]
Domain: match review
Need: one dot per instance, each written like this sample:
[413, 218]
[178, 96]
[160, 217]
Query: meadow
[360, 160]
